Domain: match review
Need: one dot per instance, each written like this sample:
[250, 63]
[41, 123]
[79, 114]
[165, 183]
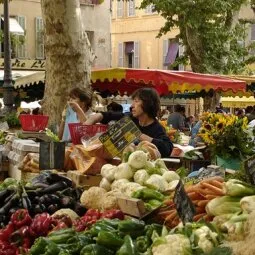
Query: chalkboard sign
[51, 155]
[184, 206]
[249, 166]
[119, 136]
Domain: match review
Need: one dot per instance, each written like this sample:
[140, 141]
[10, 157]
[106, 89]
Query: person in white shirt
[77, 110]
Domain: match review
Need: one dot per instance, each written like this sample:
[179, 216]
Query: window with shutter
[120, 5]
[39, 40]
[181, 52]
[136, 54]
[165, 50]
[21, 44]
[131, 8]
[120, 55]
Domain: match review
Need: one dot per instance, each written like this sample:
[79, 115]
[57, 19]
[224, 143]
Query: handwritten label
[184, 205]
[119, 136]
[249, 166]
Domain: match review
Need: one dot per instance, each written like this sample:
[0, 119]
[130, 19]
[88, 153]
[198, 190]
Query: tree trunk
[210, 102]
[67, 52]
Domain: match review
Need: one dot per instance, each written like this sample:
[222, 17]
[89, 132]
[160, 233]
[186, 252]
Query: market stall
[164, 81]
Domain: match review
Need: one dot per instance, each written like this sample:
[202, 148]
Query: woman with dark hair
[144, 111]
[78, 109]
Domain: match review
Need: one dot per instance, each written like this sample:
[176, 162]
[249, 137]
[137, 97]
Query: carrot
[200, 209]
[208, 218]
[203, 203]
[165, 214]
[171, 216]
[210, 197]
[195, 202]
[215, 190]
[191, 188]
[217, 184]
[199, 216]
[169, 202]
[193, 196]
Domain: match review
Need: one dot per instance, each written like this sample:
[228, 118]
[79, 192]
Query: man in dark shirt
[144, 110]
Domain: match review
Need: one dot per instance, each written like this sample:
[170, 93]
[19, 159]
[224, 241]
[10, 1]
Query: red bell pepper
[93, 213]
[113, 214]
[6, 232]
[8, 249]
[41, 224]
[21, 218]
[19, 236]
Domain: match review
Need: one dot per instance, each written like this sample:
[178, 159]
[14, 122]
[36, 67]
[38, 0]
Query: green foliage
[12, 120]
[210, 32]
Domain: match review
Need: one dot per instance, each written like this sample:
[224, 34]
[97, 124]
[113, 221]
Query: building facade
[26, 15]
[134, 42]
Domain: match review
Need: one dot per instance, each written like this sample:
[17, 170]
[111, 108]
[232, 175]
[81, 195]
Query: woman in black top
[144, 110]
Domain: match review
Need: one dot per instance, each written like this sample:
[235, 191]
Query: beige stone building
[26, 15]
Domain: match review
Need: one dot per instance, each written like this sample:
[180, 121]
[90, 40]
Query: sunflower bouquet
[227, 136]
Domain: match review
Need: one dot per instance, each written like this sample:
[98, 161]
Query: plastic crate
[30, 122]
[78, 130]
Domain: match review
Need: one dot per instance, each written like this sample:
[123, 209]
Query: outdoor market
[127, 127]
[100, 188]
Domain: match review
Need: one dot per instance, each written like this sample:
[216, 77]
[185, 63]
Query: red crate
[30, 122]
[78, 130]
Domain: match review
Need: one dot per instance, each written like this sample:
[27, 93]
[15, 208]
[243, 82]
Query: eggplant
[11, 194]
[53, 178]
[4, 194]
[12, 201]
[79, 209]
[54, 198]
[36, 209]
[54, 187]
[26, 203]
[52, 208]
[67, 201]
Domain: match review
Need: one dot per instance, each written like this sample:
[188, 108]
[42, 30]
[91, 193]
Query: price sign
[119, 136]
[249, 166]
[184, 206]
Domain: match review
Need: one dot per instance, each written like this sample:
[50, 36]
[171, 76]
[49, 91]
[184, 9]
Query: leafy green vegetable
[51, 135]
[182, 172]
[221, 251]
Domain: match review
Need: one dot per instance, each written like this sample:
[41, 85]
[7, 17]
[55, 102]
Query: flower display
[172, 133]
[227, 136]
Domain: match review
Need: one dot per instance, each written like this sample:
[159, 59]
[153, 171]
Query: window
[21, 42]
[39, 40]
[120, 55]
[171, 50]
[120, 5]
[131, 8]
[149, 9]
[129, 54]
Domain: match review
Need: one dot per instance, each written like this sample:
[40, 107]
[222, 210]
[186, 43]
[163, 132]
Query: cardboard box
[82, 180]
[132, 206]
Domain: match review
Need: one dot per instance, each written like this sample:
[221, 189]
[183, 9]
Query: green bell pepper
[150, 228]
[142, 243]
[131, 225]
[128, 247]
[148, 194]
[39, 246]
[109, 239]
[61, 236]
[100, 226]
[65, 252]
[51, 249]
[96, 249]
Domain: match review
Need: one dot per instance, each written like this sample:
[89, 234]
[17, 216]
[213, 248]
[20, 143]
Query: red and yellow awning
[164, 81]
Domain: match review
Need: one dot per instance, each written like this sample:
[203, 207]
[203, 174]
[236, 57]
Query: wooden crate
[82, 180]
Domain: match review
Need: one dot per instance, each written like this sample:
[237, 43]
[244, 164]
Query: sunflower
[208, 126]
[219, 126]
